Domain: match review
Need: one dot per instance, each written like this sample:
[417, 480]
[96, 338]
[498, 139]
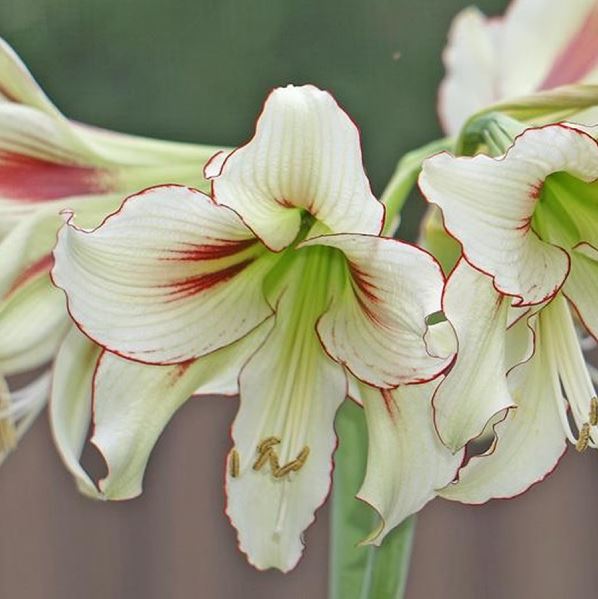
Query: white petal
[488, 204]
[290, 389]
[17, 84]
[529, 443]
[70, 404]
[305, 155]
[170, 277]
[134, 402]
[33, 323]
[581, 287]
[377, 323]
[536, 40]
[406, 460]
[470, 59]
[475, 389]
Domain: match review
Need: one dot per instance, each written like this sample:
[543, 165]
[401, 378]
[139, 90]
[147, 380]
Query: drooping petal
[279, 470]
[134, 402]
[376, 324]
[406, 460]
[581, 286]
[33, 323]
[470, 59]
[305, 155]
[488, 205]
[70, 404]
[529, 441]
[476, 388]
[170, 277]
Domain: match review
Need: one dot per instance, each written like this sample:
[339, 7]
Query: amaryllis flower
[528, 226]
[537, 45]
[277, 286]
[47, 163]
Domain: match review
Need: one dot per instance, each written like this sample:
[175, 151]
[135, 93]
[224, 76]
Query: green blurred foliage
[198, 70]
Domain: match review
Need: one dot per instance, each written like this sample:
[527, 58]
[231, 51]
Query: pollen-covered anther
[594, 411]
[584, 438]
[265, 452]
[267, 443]
[234, 463]
[293, 466]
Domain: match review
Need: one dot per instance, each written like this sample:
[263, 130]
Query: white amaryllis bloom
[528, 226]
[277, 286]
[537, 45]
[47, 163]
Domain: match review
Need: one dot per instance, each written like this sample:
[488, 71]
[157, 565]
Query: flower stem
[361, 572]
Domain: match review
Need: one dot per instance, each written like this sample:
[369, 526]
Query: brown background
[198, 70]
[175, 543]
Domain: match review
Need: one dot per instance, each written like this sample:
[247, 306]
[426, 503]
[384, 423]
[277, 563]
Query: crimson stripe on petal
[34, 179]
[197, 284]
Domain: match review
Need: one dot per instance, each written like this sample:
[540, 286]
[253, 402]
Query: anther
[262, 459]
[234, 463]
[584, 438]
[267, 444]
[594, 411]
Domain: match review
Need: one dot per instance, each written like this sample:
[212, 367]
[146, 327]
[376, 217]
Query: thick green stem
[362, 572]
[404, 178]
[368, 572]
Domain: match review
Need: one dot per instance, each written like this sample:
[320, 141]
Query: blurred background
[198, 70]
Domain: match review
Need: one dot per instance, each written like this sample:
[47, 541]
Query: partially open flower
[279, 278]
[528, 226]
[535, 46]
[48, 163]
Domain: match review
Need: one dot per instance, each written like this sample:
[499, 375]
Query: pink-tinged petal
[488, 206]
[536, 37]
[475, 389]
[305, 156]
[171, 276]
[407, 463]
[279, 471]
[42, 159]
[529, 441]
[376, 323]
[579, 57]
[581, 287]
[470, 60]
[36, 180]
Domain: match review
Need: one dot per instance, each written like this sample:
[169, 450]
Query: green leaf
[361, 572]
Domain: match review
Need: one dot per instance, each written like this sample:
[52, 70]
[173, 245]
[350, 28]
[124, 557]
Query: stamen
[294, 465]
[584, 438]
[266, 454]
[262, 459]
[267, 444]
[234, 463]
[274, 464]
[594, 411]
